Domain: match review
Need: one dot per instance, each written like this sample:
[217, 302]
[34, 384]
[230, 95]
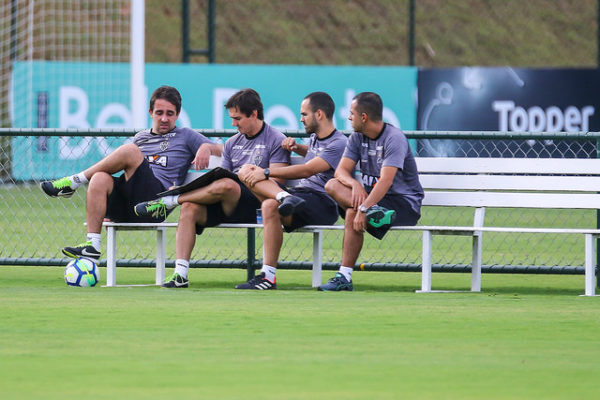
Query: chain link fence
[35, 227]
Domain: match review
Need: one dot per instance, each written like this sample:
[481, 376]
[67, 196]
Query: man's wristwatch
[266, 172]
[362, 208]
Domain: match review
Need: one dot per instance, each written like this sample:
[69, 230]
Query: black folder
[203, 180]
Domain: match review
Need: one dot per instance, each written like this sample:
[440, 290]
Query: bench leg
[161, 250]
[476, 263]
[426, 260]
[317, 258]
[111, 261]
[590, 267]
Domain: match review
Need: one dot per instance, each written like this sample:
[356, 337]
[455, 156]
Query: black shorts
[142, 186]
[405, 215]
[244, 212]
[319, 209]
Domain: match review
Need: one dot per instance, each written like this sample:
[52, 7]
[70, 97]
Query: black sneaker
[176, 281]
[58, 188]
[336, 284]
[82, 250]
[291, 204]
[379, 217]
[154, 208]
[259, 282]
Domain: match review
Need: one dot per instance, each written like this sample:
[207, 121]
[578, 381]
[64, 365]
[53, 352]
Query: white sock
[347, 272]
[95, 238]
[171, 201]
[281, 195]
[78, 180]
[269, 272]
[181, 267]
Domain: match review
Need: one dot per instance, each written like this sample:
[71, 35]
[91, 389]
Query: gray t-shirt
[329, 149]
[389, 149]
[262, 149]
[171, 154]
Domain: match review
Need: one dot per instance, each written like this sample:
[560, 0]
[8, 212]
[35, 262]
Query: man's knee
[190, 211]
[331, 186]
[131, 149]
[101, 181]
[131, 154]
[225, 188]
[270, 208]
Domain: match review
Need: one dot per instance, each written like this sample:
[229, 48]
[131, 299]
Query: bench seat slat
[512, 199]
[511, 182]
[469, 165]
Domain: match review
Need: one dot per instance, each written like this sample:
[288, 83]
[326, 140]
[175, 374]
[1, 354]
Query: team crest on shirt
[164, 145]
[257, 157]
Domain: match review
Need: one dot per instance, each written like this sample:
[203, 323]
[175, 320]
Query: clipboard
[203, 180]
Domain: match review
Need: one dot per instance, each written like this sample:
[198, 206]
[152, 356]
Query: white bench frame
[456, 182]
[514, 183]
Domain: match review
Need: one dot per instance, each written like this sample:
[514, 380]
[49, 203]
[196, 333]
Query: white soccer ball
[82, 272]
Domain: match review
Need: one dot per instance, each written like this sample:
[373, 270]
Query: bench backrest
[502, 182]
[514, 182]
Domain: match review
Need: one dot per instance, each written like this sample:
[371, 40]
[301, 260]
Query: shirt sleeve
[279, 154]
[226, 156]
[333, 153]
[394, 151]
[352, 150]
[196, 140]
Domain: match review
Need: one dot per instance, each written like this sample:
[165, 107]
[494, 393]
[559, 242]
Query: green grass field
[524, 337]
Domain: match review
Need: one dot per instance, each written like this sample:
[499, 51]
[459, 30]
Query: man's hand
[289, 144]
[360, 222]
[250, 174]
[245, 171]
[359, 194]
[202, 157]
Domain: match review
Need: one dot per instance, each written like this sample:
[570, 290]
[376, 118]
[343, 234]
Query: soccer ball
[82, 272]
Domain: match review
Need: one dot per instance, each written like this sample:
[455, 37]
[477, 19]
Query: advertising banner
[71, 95]
[506, 99]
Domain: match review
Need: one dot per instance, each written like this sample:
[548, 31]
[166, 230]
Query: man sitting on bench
[157, 159]
[307, 203]
[390, 192]
[225, 200]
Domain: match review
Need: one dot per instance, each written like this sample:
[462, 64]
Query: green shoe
[58, 188]
[154, 208]
[176, 281]
[379, 217]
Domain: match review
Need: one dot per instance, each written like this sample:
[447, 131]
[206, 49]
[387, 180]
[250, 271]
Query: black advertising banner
[507, 99]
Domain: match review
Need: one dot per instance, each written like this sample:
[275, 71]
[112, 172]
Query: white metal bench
[510, 183]
[479, 183]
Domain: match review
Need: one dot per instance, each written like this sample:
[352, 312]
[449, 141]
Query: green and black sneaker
[58, 188]
[379, 217]
[154, 208]
[176, 281]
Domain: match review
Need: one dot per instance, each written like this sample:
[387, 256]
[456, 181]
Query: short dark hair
[169, 94]
[321, 101]
[246, 100]
[369, 103]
